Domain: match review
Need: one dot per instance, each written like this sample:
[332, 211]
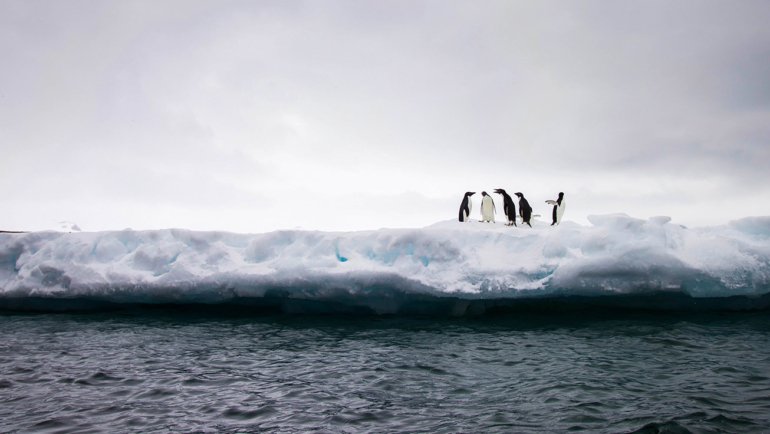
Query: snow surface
[616, 254]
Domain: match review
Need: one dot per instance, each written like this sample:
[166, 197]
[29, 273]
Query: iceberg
[450, 268]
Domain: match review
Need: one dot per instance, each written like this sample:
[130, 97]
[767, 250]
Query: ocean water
[160, 371]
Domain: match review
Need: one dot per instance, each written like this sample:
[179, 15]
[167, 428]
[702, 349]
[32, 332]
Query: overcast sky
[252, 116]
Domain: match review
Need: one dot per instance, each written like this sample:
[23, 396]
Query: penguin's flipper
[551, 202]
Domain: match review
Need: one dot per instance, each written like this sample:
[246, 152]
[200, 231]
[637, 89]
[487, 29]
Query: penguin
[487, 208]
[508, 207]
[558, 208]
[465, 206]
[525, 211]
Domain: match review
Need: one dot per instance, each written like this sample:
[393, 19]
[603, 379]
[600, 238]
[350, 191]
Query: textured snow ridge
[615, 255]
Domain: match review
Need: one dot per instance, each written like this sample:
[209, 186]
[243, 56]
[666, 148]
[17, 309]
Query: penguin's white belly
[560, 211]
[487, 210]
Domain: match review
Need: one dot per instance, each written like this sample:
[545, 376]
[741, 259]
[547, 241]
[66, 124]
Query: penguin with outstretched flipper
[508, 207]
[525, 211]
[558, 208]
[465, 206]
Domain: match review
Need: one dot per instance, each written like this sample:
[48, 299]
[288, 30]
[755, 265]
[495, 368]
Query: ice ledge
[615, 255]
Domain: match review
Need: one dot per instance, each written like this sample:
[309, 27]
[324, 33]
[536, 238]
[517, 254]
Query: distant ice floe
[384, 270]
[67, 226]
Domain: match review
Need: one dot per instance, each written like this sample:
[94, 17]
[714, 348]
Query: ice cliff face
[617, 254]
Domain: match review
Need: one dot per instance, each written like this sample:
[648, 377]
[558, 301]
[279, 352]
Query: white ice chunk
[616, 254]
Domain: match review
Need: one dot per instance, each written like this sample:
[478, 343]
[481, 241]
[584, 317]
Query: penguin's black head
[499, 191]
[519, 195]
[484, 193]
[469, 193]
[561, 195]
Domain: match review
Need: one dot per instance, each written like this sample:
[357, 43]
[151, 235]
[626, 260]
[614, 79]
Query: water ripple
[73, 373]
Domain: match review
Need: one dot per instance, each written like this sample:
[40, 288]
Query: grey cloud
[262, 96]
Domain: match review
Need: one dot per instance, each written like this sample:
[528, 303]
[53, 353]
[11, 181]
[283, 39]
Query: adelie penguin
[558, 208]
[525, 211]
[487, 208]
[508, 207]
[465, 206]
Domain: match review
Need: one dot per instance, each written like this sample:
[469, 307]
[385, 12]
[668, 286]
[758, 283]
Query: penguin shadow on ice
[488, 209]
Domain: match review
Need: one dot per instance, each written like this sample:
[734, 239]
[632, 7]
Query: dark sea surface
[162, 371]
